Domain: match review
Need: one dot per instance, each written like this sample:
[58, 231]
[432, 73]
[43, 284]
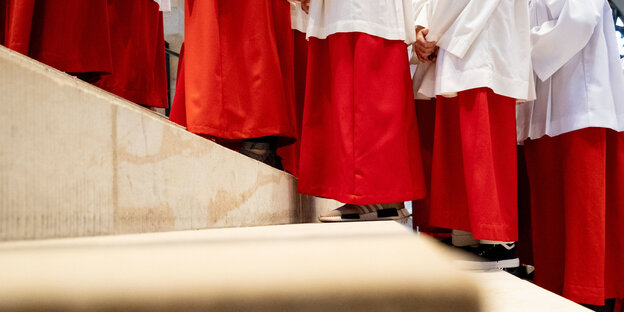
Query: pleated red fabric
[360, 140]
[138, 53]
[425, 111]
[4, 13]
[473, 178]
[290, 153]
[614, 268]
[178, 109]
[69, 35]
[524, 246]
[577, 200]
[239, 69]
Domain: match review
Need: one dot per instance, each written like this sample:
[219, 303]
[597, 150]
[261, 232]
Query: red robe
[69, 35]
[577, 206]
[139, 71]
[360, 141]
[290, 154]
[425, 111]
[473, 177]
[238, 71]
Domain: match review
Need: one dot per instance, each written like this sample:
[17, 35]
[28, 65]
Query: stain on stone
[227, 202]
[133, 219]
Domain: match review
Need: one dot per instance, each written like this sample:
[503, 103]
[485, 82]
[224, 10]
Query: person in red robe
[117, 45]
[71, 35]
[360, 142]
[238, 75]
[139, 72]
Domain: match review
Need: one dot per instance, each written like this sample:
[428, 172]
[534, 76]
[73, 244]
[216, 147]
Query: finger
[423, 42]
[425, 51]
[426, 48]
[429, 44]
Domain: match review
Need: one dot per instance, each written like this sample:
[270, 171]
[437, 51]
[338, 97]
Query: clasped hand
[426, 51]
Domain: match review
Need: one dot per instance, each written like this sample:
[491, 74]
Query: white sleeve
[555, 42]
[421, 13]
[468, 26]
[442, 14]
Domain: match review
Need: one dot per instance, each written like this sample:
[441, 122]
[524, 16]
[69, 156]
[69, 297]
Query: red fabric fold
[138, 53]
[238, 69]
[473, 179]
[290, 154]
[70, 35]
[577, 200]
[360, 141]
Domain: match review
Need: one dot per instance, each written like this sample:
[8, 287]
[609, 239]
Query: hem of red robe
[356, 199]
[239, 135]
[585, 295]
[68, 65]
[134, 96]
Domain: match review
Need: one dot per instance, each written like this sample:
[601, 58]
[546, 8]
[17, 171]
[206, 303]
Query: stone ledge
[311, 267]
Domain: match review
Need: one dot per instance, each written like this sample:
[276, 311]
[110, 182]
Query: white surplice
[389, 19]
[165, 5]
[298, 17]
[576, 59]
[437, 16]
[487, 45]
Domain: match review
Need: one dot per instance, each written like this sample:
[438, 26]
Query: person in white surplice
[482, 70]
[574, 148]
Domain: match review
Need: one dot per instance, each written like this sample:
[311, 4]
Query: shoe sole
[372, 216]
[489, 265]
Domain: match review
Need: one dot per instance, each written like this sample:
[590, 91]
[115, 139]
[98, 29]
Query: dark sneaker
[268, 156]
[494, 257]
[350, 212]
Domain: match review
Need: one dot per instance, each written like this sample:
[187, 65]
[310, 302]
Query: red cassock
[69, 35]
[577, 204]
[290, 154]
[360, 141]
[138, 53]
[178, 109]
[238, 75]
[425, 111]
[473, 178]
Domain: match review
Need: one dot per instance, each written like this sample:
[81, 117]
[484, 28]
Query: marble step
[378, 266]
[78, 161]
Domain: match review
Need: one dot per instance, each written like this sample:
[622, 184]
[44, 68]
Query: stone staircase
[78, 161]
[81, 170]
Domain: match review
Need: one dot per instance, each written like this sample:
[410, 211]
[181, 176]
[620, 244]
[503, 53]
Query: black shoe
[494, 257]
[608, 307]
[269, 155]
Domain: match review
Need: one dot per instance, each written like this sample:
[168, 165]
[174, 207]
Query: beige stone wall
[78, 161]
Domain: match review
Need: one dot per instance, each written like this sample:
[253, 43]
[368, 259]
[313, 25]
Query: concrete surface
[311, 267]
[78, 161]
[365, 266]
